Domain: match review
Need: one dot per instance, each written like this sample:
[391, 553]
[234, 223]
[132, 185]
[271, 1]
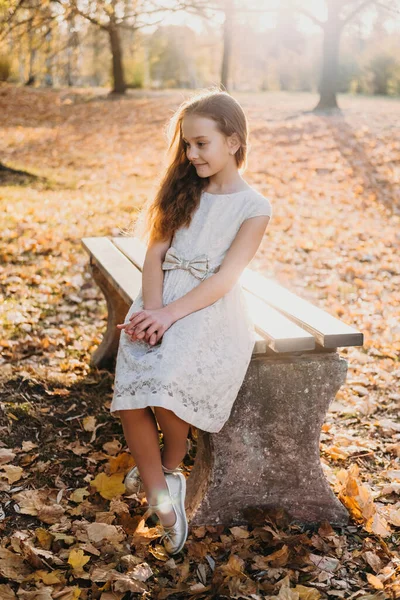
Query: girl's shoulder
[255, 204]
[250, 202]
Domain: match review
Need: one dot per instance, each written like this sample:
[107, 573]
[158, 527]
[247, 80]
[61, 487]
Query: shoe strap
[167, 534]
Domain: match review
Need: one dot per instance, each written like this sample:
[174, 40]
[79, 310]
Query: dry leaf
[77, 559]
[6, 592]
[109, 487]
[12, 473]
[6, 455]
[375, 581]
[89, 423]
[98, 532]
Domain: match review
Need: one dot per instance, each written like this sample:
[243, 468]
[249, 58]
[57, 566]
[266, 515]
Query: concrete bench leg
[267, 454]
[105, 355]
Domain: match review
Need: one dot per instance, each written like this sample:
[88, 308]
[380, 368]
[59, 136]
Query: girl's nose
[191, 154]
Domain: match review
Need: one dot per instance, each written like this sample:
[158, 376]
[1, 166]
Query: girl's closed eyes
[199, 144]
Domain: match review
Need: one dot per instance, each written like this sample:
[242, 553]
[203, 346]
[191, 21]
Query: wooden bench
[267, 454]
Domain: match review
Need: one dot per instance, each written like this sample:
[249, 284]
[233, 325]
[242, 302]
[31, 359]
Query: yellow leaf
[50, 578]
[121, 463]
[89, 423]
[375, 581]
[307, 593]
[44, 537]
[109, 487]
[355, 496]
[159, 552]
[77, 559]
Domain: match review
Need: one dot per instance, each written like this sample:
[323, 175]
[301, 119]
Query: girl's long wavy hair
[180, 188]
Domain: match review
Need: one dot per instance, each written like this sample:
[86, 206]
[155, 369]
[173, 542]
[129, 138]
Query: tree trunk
[32, 56]
[330, 60]
[96, 47]
[226, 59]
[31, 74]
[72, 44]
[116, 50]
[48, 77]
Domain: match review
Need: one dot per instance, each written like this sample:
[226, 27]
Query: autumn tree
[28, 25]
[115, 16]
[339, 14]
[110, 16]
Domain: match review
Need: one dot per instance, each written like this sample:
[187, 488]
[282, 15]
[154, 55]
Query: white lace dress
[198, 367]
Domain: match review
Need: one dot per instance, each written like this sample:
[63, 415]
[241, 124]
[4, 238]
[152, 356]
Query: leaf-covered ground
[86, 163]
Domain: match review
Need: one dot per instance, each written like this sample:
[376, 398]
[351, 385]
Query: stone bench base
[267, 454]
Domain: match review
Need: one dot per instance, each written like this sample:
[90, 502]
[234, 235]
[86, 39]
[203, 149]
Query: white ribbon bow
[198, 266]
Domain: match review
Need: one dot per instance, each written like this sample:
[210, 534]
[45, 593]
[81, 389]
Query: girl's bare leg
[141, 434]
[175, 432]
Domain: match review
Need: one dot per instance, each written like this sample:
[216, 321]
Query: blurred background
[345, 46]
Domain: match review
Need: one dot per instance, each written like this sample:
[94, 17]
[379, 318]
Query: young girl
[188, 338]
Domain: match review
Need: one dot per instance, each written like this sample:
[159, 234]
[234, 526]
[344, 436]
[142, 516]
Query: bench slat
[282, 334]
[116, 267]
[133, 249]
[328, 331]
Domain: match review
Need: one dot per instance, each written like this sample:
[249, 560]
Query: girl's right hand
[143, 335]
[147, 323]
[152, 339]
[139, 332]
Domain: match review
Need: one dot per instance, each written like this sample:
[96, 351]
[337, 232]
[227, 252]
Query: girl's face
[206, 147]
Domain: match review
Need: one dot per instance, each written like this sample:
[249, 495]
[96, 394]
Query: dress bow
[198, 266]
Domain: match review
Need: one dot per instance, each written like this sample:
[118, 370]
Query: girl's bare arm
[240, 253]
[153, 274]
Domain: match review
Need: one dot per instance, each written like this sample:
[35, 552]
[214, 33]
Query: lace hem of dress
[184, 407]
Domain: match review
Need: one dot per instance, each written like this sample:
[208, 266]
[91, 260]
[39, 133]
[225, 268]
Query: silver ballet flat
[174, 537]
[133, 483]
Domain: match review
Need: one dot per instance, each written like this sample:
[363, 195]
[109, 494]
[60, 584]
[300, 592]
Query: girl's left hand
[145, 323]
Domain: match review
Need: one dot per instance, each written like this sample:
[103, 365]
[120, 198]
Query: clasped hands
[148, 325]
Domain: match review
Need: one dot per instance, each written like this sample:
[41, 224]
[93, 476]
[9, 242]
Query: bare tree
[231, 9]
[28, 26]
[340, 13]
[111, 16]
[114, 16]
